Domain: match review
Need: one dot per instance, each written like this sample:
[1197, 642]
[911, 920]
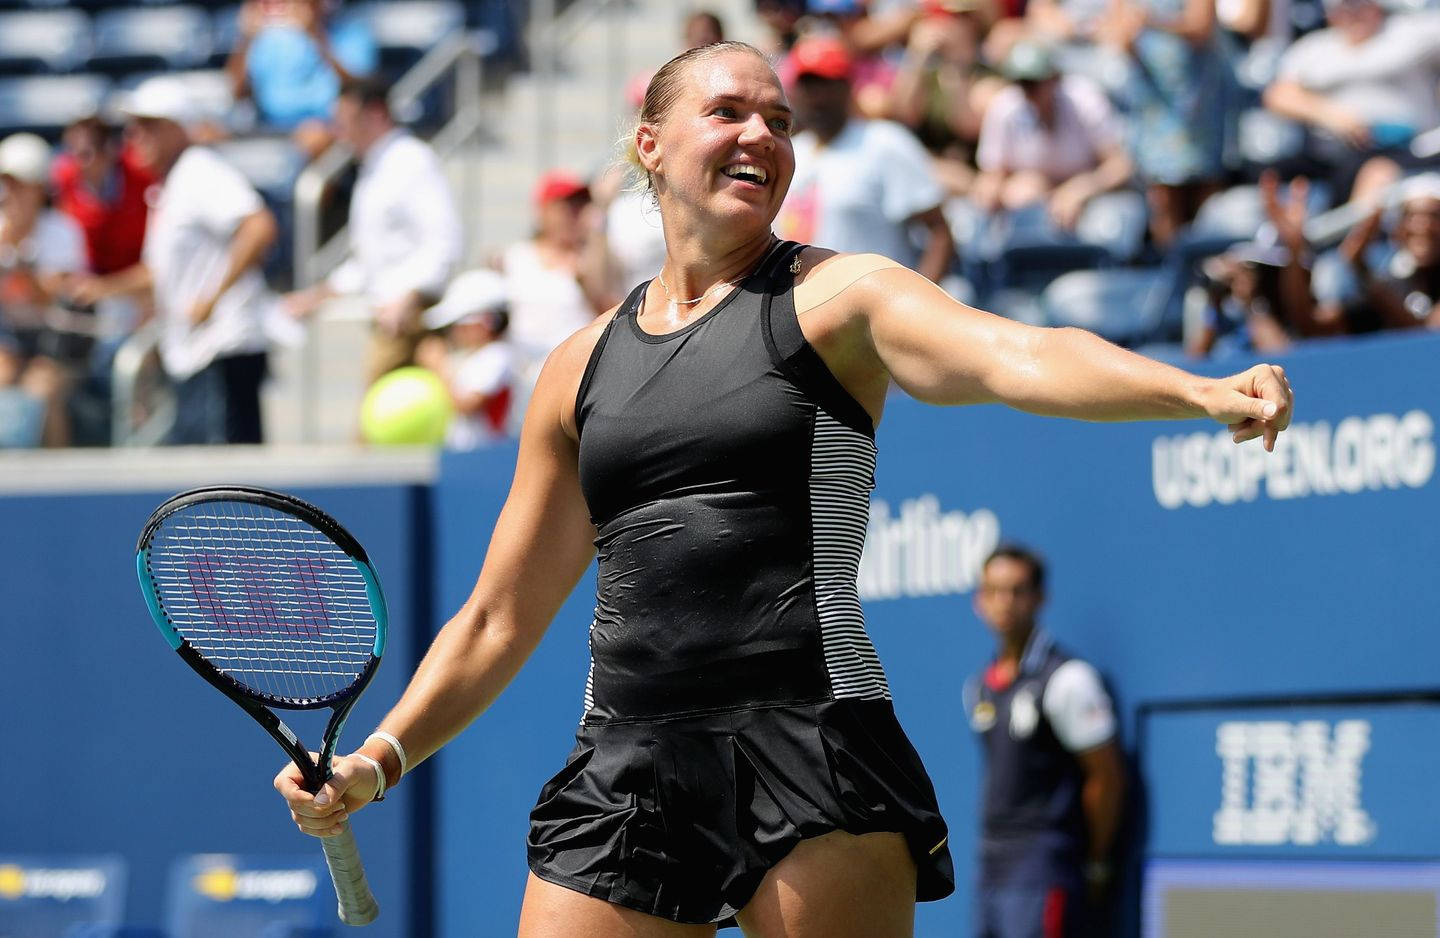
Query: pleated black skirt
[683, 817]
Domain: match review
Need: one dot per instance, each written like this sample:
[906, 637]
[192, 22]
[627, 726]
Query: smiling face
[722, 147]
[1419, 231]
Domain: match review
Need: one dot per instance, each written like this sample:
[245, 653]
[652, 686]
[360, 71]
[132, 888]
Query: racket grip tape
[357, 903]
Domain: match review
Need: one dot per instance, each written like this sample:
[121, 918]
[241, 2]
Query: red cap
[558, 184]
[822, 56]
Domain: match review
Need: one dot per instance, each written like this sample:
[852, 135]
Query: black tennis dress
[735, 705]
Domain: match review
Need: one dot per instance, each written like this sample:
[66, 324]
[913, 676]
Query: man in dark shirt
[1054, 777]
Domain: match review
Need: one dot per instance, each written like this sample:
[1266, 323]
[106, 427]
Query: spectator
[703, 28]
[405, 233]
[860, 185]
[1258, 292]
[871, 75]
[553, 292]
[207, 233]
[292, 61]
[102, 186]
[781, 19]
[474, 361]
[940, 90]
[1244, 312]
[1176, 94]
[1365, 86]
[1394, 286]
[1048, 140]
[40, 251]
[1054, 778]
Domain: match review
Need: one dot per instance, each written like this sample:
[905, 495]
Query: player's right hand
[352, 785]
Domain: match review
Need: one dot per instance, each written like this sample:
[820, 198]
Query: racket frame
[257, 703]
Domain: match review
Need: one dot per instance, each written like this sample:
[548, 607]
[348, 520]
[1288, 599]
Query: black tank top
[728, 475]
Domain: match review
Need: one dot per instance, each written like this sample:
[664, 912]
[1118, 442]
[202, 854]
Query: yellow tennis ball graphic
[217, 883]
[408, 406]
[12, 881]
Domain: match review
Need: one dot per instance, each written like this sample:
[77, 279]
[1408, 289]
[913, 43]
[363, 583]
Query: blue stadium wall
[1266, 622]
[114, 748]
[1202, 578]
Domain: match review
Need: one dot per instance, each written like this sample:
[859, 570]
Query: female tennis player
[713, 438]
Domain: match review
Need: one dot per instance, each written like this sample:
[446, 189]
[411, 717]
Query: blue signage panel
[55, 896]
[1333, 781]
[234, 896]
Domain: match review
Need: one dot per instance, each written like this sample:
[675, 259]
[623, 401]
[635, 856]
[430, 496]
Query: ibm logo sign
[1292, 783]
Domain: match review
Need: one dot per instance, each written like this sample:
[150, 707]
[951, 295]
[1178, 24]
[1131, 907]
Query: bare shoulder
[825, 275]
[559, 381]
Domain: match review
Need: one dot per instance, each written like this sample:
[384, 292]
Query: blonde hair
[665, 88]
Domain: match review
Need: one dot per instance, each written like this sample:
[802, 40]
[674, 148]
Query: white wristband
[379, 775]
[395, 746]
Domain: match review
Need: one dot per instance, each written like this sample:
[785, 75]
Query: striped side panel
[842, 473]
[590, 676]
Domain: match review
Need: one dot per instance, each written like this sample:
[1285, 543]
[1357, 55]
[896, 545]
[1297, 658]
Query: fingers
[325, 813]
[1260, 404]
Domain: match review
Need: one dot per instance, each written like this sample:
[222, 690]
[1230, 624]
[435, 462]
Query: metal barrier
[142, 399]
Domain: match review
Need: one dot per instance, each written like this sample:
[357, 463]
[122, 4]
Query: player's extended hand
[1254, 403]
[352, 785]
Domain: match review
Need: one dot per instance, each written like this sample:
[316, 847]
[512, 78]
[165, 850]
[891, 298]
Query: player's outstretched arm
[541, 545]
[945, 352]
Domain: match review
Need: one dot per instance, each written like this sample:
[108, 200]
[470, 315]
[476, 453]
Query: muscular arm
[540, 547]
[1102, 795]
[945, 352]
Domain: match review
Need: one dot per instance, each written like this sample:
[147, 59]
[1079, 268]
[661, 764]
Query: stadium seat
[405, 29]
[139, 38]
[1237, 212]
[46, 103]
[38, 41]
[224, 32]
[1115, 221]
[1266, 138]
[1117, 304]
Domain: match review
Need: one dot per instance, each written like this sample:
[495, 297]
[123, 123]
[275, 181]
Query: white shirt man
[859, 192]
[187, 249]
[405, 233]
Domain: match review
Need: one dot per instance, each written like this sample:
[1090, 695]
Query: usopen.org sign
[1292, 783]
[1359, 454]
[915, 549]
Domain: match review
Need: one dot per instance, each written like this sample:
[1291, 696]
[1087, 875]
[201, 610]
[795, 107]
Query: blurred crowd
[1197, 176]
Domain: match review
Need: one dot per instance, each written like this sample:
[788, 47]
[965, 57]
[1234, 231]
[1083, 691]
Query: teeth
[746, 172]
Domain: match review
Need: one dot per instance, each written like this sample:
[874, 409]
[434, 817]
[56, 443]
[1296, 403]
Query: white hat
[1424, 187]
[164, 97]
[471, 294]
[26, 157]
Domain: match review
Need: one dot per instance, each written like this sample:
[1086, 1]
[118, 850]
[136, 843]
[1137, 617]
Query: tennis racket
[276, 605]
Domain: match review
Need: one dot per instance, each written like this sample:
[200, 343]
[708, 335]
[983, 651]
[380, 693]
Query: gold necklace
[674, 302]
[723, 283]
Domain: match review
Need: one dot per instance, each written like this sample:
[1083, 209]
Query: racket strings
[266, 598]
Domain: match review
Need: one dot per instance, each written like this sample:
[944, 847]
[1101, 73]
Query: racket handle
[357, 903]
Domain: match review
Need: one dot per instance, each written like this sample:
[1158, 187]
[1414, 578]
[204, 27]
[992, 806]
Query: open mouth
[745, 172]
